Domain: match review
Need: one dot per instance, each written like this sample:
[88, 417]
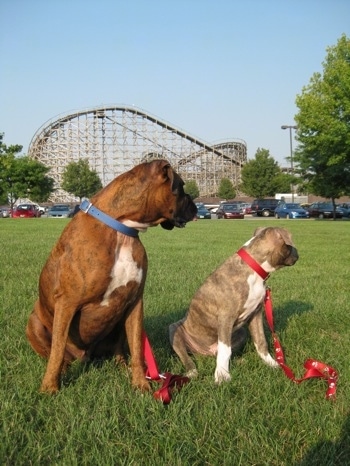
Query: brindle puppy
[230, 297]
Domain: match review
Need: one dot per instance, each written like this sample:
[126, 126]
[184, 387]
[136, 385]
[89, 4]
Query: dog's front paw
[142, 385]
[222, 375]
[49, 388]
[268, 359]
[192, 374]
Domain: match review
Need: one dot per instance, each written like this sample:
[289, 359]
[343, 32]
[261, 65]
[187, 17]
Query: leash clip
[161, 376]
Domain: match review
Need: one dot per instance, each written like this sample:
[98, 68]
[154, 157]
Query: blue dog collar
[88, 208]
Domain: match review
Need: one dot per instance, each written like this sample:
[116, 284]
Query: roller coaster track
[115, 138]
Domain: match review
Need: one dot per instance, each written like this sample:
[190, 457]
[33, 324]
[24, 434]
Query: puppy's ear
[259, 230]
[285, 236]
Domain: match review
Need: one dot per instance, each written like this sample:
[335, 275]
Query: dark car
[230, 211]
[264, 207]
[345, 209]
[203, 212]
[323, 210]
[26, 211]
[290, 210]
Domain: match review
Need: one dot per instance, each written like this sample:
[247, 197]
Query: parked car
[290, 210]
[265, 207]
[4, 212]
[40, 208]
[203, 212]
[247, 208]
[215, 209]
[323, 210]
[59, 211]
[230, 211]
[74, 211]
[345, 209]
[26, 211]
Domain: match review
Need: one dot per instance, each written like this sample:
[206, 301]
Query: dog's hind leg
[178, 343]
[256, 329]
[61, 323]
[38, 336]
[40, 339]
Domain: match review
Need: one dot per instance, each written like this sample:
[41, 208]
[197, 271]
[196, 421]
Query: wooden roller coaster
[115, 138]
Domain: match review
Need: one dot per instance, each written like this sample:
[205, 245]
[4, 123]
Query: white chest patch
[255, 295]
[123, 271]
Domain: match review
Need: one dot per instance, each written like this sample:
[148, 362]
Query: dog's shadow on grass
[158, 325]
[282, 314]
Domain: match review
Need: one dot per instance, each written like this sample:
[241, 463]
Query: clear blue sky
[218, 69]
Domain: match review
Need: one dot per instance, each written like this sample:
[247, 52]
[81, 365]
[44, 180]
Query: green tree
[260, 175]
[323, 153]
[80, 180]
[283, 182]
[191, 188]
[22, 177]
[7, 156]
[226, 189]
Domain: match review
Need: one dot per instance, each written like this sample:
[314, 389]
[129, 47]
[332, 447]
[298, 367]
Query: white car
[42, 210]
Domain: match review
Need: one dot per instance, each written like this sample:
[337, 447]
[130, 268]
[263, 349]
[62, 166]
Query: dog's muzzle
[186, 213]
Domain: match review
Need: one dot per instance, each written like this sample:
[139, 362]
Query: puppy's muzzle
[293, 256]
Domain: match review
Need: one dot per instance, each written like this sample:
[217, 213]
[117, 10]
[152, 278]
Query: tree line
[321, 159]
[22, 177]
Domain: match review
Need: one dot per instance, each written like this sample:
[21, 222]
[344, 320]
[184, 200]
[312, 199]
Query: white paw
[268, 359]
[222, 375]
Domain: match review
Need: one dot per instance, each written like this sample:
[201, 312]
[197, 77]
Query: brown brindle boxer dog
[91, 287]
[230, 297]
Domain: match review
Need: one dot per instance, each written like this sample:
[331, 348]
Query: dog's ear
[280, 234]
[177, 184]
[259, 230]
[285, 236]
[163, 168]
[168, 174]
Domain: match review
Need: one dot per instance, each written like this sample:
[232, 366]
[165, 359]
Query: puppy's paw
[268, 359]
[222, 375]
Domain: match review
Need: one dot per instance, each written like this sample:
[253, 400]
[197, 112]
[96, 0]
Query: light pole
[290, 127]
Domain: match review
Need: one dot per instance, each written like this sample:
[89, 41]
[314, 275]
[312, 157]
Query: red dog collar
[253, 264]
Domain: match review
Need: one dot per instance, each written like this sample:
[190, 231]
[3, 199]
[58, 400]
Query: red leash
[169, 381]
[313, 368]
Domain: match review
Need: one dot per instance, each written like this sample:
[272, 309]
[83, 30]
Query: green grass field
[259, 418]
